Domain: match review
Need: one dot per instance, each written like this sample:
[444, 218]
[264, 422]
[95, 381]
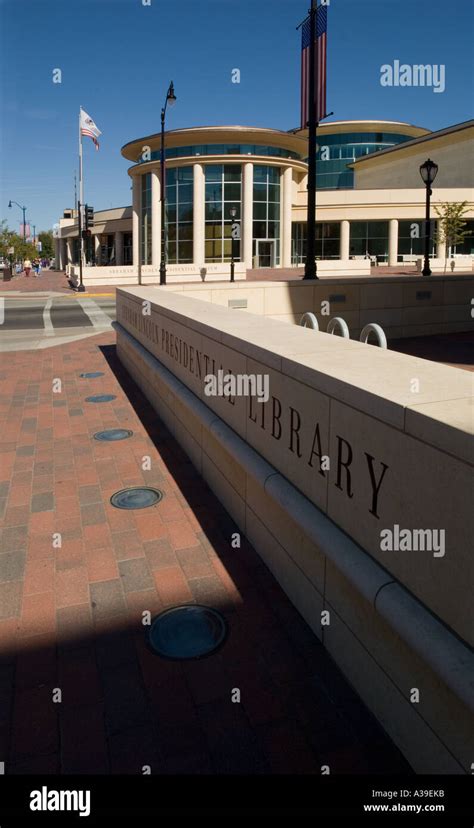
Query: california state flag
[88, 127]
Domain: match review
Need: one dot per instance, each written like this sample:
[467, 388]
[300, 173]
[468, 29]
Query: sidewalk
[71, 615]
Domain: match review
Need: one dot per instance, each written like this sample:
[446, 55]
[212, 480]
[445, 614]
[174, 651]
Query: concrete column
[393, 242]
[344, 239]
[136, 216]
[198, 215]
[155, 219]
[57, 254]
[287, 200]
[97, 249]
[70, 251]
[62, 254]
[440, 245]
[119, 247]
[247, 214]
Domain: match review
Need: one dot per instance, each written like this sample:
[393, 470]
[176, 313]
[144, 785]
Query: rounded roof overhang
[338, 127]
[217, 135]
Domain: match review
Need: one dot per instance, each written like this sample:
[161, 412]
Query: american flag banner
[320, 67]
[88, 127]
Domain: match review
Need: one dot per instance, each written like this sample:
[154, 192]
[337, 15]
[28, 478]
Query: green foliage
[452, 222]
[46, 239]
[23, 250]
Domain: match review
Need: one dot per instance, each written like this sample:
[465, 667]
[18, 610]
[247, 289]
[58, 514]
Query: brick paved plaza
[71, 616]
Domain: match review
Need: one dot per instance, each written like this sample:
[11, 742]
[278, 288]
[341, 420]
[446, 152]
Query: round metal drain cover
[137, 497]
[92, 375]
[113, 434]
[187, 632]
[100, 398]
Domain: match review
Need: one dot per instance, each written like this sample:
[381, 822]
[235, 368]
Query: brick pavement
[70, 615]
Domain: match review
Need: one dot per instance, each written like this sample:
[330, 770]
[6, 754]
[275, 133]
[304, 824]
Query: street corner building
[370, 203]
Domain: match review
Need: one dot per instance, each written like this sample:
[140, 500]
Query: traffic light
[89, 216]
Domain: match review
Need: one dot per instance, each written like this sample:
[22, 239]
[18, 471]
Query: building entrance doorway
[265, 252]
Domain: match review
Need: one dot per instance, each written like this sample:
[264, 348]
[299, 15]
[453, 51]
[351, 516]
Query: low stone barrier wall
[353, 481]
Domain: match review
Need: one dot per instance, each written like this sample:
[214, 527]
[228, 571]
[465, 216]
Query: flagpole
[81, 287]
[310, 269]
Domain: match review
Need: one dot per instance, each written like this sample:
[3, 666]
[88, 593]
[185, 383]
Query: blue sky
[118, 56]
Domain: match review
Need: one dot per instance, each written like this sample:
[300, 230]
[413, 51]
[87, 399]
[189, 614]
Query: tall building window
[223, 191]
[411, 239]
[127, 249]
[328, 235]
[179, 214]
[369, 238]
[266, 216]
[146, 220]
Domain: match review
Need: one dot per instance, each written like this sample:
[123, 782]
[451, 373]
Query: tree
[47, 242]
[450, 226]
[8, 239]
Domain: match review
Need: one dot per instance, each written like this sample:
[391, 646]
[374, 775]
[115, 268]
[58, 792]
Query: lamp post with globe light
[428, 172]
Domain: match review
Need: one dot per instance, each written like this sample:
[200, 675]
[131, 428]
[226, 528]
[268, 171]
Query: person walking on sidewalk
[27, 267]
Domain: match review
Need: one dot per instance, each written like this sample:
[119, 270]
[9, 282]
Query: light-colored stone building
[370, 200]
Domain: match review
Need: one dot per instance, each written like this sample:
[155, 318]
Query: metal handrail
[372, 327]
[308, 320]
[338, 322]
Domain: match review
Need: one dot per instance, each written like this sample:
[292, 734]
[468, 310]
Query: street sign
[11, 251]
[235, 231]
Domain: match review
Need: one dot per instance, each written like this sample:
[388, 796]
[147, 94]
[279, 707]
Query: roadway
[41, 320]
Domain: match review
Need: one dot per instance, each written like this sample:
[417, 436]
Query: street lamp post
[428, 172]
[170, 99]
[24, 216]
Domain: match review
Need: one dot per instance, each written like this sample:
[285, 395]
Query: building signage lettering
[282, 423]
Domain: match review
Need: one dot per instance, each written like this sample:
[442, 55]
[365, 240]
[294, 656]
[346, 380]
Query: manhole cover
[138, 497]
[100, 398]
[92, 375]
[113, 434]
[187, 632]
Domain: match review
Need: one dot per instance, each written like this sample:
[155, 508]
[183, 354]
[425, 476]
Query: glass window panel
[259, 230]
[170, 212]
[274, 212]
[273, 229]
[213, 250]
[232, 192]
[232, 172]
[259, 192]
[214, 192]
[260, 211]
[227, 230]
[213, 172]
[170, 176]
[377, 229]
[184, 173]
[185, 212]
[185, 251]
[213, 231]
[358, 229]
[171, 194]
[228, 248]
[274, 192]
[259, 174]
[171, 231]
[274, 175]
[185, 232]
[185, 193]
[213, 210]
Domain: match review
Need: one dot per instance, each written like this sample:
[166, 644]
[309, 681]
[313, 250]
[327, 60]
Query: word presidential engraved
[285, 423]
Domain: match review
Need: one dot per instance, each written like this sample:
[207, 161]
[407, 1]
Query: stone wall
[344, 449]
